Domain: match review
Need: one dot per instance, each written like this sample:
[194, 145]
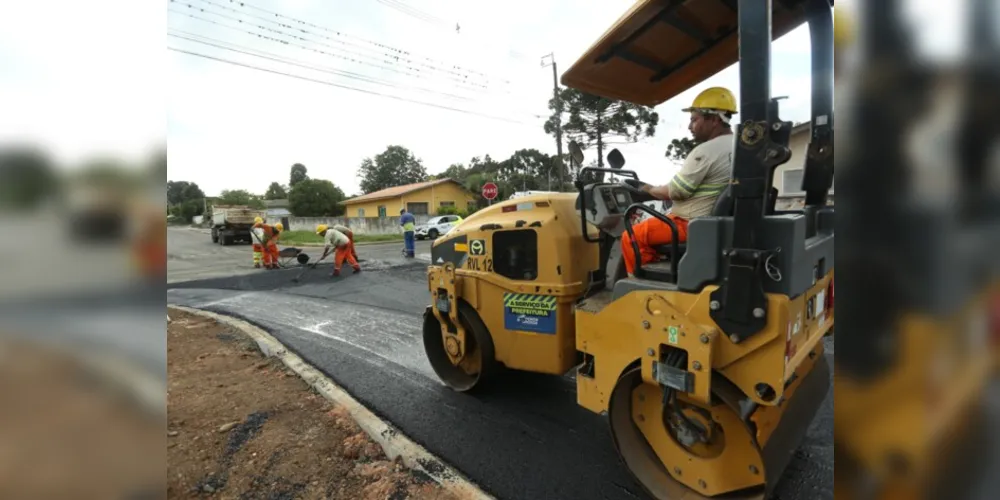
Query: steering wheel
[638, 196]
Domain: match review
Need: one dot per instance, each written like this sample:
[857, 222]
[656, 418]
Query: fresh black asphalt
[526, 439]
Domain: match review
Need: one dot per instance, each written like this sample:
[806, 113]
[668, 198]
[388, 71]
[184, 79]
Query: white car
[435, 227]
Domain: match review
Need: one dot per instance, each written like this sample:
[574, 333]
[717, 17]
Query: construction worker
[268, 243]
[695, 188]
[339, 243]
[271, 247]
[408, 222]
[350, 236]
[258, 242]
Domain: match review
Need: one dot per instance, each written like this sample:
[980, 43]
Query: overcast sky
[232, 127]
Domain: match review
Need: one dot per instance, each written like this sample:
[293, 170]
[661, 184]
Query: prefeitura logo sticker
[530, 313]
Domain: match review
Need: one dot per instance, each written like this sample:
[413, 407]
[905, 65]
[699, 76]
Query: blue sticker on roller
[529, 313]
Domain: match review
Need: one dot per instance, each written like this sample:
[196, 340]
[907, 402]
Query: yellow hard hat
[279, 226]
[258, 220]
[714, 99]
[320, 229]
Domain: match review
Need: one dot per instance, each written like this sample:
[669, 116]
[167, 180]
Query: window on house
[381, 211]
[417, 208]
[447, 204]
[361, 212]
[791, 182]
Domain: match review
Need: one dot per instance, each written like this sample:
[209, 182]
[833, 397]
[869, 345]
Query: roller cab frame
[710, 363]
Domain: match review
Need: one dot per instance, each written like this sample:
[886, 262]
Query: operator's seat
[724, 205]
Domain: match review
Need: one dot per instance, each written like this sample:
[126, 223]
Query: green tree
[678, 149]
[297, 175]
[27, 177]
[188, 209]
[597, 121]
[396, 166]
[241, 197]
[275, 192]
[180, 191]
[316, 198]
[525, 170]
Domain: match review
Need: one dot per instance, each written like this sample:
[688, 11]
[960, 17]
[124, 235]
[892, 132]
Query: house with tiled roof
[422, 198]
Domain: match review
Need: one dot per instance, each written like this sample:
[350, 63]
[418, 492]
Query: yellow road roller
[708, 362]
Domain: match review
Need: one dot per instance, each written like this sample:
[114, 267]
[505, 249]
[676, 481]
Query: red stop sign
[490, 190]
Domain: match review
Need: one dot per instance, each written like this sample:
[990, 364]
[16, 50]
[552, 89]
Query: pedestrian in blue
[408, 222]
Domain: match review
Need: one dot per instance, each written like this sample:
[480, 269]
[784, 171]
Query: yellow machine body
[483, 275]
[897, 425]
[637, 327]
[695, 411]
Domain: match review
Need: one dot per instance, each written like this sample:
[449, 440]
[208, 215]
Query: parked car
[435, 227]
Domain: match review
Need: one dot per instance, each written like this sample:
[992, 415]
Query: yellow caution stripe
[530, 301]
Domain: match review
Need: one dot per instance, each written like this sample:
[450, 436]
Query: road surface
[192, 255]
[527, 439]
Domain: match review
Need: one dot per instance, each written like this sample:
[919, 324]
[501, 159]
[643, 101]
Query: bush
[456, 211]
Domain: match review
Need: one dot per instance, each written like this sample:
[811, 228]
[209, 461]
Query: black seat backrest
[725, 203]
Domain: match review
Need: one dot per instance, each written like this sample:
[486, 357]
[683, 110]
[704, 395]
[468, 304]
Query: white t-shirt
[335, 238]
[703, 177]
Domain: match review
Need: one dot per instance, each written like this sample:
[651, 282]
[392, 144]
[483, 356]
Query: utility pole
[555, 95]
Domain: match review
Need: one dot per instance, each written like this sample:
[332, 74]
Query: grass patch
[376, 238]
[299, 237]
[302, 237]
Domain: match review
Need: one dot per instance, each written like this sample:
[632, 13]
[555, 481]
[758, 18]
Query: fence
[360, 225]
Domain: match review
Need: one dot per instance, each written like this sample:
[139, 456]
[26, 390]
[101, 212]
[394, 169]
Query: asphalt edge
[393, 442]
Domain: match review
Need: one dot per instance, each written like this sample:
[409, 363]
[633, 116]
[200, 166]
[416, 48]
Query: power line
[412, 71]
[274, 57]
[370, 45]
[430, 19]
[347, 87]
[213, 42]
[414, 12]
[398, 52]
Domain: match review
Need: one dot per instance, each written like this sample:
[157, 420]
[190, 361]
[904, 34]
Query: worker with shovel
[337, 242]
[258, 242]
[268, 241]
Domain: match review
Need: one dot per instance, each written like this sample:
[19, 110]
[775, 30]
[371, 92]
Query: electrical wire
[201, 39]
[193, 37]
[412, 71]
[430, 19]
[347, 87]
[414, 12]
[374, 44]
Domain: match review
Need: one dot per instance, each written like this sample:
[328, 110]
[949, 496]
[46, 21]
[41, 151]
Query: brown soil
[244, 426]
[66, 432]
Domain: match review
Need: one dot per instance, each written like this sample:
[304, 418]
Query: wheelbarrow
[292, 257]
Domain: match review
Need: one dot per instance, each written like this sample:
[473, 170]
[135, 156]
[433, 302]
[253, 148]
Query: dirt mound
[243, 426]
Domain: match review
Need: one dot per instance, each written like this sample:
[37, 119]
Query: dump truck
[708, 370]
[231, 223]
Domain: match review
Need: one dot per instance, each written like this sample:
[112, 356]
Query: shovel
[307, 268]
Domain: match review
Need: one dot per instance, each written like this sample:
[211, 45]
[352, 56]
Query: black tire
[453, 376]
[225, 240]
[433, 234]
[215, 236]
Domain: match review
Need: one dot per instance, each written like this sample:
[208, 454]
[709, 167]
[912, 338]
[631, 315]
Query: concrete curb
[392, 441]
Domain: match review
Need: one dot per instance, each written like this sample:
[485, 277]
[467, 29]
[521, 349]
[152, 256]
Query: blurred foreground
[919, 240]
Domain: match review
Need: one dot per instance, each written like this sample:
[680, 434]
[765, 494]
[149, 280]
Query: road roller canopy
[660, 48]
